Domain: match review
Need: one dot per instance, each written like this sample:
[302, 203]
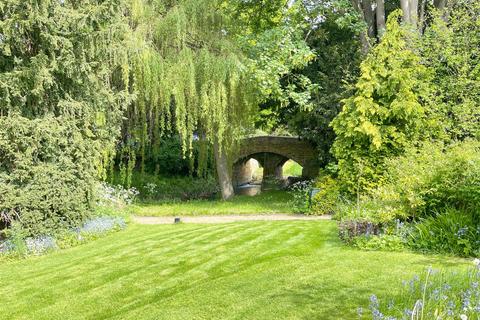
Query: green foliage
[250, 17]
[436, 188]
[58, 57]
[450, 231]
[382, 131]
[271, 35]
[47, 176]
[273, 54]
[110, 213]
[434, 294]
[327, 199]
[385, 242]
[301, 196]
[385, 115]
[432, 178]
[189, 77]
[169, 160]
[451, 49]
[334, 69]
[165, 188]
[61, 103]
[369, 208]
[292, 169]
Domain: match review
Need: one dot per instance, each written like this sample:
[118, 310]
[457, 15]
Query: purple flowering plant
[432, 296]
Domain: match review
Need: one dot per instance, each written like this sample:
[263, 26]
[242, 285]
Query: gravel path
[227, 218]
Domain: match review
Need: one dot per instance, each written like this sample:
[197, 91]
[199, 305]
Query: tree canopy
[91, 85]
[61, 102]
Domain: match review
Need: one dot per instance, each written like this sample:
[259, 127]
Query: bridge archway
[272, 152]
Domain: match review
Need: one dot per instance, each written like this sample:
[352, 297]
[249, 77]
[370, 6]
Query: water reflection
[248, 189]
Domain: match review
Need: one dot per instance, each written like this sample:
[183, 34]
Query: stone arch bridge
[272, 152]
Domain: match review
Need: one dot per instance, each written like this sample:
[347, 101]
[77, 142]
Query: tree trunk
[380, 18]
[414, 12]
[410, 12]
[405, 4]
[223, 172]
[444, 6]
[421, 18]
[364, 40]
[369, 17]
[440, 4]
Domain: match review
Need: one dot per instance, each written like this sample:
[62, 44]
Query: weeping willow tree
[189, 78]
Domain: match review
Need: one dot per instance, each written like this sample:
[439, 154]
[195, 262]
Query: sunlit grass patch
[248, 270]
[268, 202]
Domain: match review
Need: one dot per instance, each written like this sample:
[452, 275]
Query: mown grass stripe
[247, 270]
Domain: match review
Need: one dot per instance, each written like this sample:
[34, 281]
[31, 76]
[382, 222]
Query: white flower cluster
[476, 262]
[116, 195]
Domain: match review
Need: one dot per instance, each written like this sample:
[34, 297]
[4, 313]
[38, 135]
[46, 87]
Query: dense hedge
[62, 95]
[47, 175]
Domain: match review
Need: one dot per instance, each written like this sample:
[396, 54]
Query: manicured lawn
[267, 202]
[249, 270]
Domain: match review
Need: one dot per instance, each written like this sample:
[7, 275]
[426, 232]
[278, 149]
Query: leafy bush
[369, 234]
[108, 214]
[47, 176]
[326, 200]
[348, 230]
[385, 242]
[385, 114]
[436, 188]
[159, 188]
[62, 96]
[451, 232]
[292, 169]
[366, 208]
[431, 178]
[301, 196]
[434, 295]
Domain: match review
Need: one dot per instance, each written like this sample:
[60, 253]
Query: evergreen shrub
[47, 177]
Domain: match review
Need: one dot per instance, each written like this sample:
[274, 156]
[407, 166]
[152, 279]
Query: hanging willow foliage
[188, 77]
